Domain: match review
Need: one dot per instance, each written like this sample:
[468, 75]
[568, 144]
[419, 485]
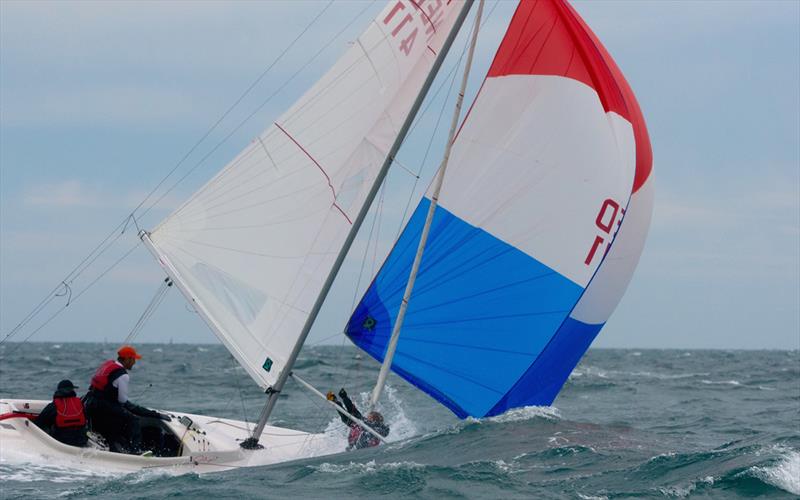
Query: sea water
[628, 423]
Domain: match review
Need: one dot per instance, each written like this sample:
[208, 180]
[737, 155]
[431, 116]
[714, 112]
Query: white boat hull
[209, 444]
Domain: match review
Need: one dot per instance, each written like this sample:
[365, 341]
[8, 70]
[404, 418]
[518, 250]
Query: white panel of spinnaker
[609, 284]
[536, 164]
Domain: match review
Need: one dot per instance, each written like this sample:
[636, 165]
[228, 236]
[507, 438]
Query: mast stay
[390, 349]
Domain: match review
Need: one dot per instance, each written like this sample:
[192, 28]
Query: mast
[274, 390]
[390, 349]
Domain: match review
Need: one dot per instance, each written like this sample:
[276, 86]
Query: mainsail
[253, 247]
[551, 166]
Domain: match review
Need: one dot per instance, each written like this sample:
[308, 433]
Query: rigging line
[321, 409]
[225, 114]
[84, 290]
[68, 278]
[364, 257]
[323, 89]
[149, 310]
[259, 138]
[320, 51]
[108, 269]
[375, 217]
[271, 131]
[241, 397]
[417, 120]
[320, 341]
[245, 120]
[313, 99]
[450, 75]
[380, 223]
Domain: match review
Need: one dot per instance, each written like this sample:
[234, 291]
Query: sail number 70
[606, 219]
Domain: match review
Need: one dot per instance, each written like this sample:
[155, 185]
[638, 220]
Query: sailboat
[507, 270]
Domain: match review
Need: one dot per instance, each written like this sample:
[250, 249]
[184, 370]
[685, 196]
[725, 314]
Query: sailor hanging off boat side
[111, 414]
[64, 418]
[359, 437]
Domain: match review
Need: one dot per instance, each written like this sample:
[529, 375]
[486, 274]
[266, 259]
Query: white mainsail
[254, 245]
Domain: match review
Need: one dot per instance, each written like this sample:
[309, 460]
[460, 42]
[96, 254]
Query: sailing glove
[342, 393]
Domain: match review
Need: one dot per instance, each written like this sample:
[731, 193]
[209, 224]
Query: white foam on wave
[526, 413]
[505, 467]
[366, 467]
[685, 490]
[401, 427]
[26, 472]
[720, 382]
[785, 474]
[609, 374]
[591, 497]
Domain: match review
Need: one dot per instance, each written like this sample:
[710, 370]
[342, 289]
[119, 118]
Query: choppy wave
[784, 473]
[527, 413]
[653, 424]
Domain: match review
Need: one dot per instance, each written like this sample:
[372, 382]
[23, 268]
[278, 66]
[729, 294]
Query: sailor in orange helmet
[111, 414]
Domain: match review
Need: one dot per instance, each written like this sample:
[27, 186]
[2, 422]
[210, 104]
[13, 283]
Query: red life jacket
[69, 413]
[355, 436]
[107, 373]
[355, 433]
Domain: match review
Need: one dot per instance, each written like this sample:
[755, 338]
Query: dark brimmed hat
[66, 384]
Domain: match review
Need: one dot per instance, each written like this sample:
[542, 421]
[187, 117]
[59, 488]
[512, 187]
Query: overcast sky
[99, 100]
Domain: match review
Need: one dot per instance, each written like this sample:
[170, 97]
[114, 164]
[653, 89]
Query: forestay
[254, 245]
[519, 273]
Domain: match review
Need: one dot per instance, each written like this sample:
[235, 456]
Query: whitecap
[785, 474]
[28, 472]
[368, 467]
[678, 491]
[401, 427]
[720, 382]
[591, 497]
[527, 413]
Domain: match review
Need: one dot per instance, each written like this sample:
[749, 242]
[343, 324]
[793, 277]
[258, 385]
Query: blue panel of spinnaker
[481, 315]
[545, 377]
